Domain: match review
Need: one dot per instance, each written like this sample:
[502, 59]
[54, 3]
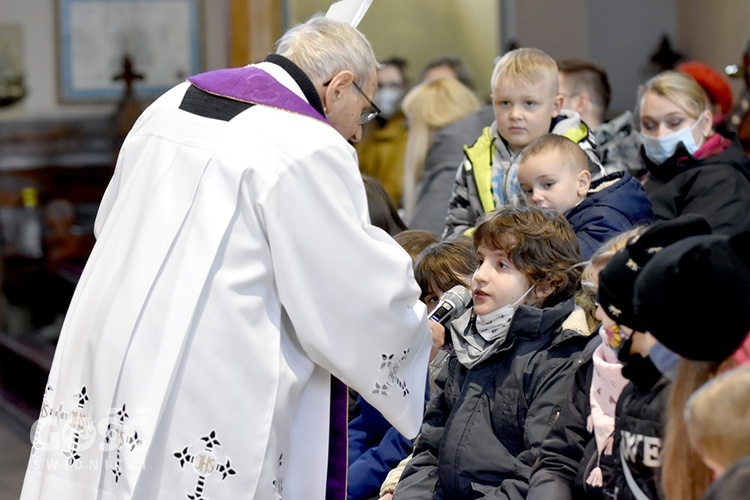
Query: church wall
[621, 36]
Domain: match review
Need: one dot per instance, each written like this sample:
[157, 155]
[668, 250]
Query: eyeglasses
[367, 114]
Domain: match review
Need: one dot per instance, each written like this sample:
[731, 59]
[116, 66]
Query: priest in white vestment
[235, 275]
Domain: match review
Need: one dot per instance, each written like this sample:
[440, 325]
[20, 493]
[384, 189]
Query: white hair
[322, 47]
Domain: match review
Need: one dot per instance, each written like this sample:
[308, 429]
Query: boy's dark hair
[401, 64]
[589, 77]
[445, 264]
[539, 242]
[382, 208]
[415, 240]
[560, 144]
[456, 63]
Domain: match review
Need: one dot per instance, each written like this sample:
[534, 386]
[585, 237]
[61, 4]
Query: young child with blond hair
[576, 458]
[553, 172]
[639, 414]
[527, 105]
[717, 419]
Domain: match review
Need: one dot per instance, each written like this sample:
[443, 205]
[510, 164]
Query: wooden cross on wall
[128, 75]
[128, 109]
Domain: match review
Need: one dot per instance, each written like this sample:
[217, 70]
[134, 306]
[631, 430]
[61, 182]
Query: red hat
[716, 86]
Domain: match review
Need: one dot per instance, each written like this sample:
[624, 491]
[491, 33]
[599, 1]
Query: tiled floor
[15, 445]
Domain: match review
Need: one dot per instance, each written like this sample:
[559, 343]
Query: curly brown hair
[539, 242]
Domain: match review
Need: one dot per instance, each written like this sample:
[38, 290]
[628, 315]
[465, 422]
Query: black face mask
[641, 371]
[623, 351]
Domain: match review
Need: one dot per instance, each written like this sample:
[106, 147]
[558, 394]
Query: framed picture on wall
[103, 44]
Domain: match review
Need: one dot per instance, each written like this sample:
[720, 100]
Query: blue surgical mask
[659, 149]
[665, 360]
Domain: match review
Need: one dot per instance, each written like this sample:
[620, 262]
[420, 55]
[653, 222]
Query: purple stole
[338, 441]
[253, 85]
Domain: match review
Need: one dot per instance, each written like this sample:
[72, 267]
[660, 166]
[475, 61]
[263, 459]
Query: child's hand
[386, 496]
[438, 337]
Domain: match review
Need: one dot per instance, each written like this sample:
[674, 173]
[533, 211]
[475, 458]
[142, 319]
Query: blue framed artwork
[158, 42]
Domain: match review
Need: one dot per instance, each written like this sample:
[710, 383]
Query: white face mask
[387, 98]
[659, 149]
[495, 325]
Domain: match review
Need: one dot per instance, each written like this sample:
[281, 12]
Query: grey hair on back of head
[322, 47]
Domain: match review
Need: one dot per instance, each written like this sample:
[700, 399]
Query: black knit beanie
[694, 296]
[617, 279]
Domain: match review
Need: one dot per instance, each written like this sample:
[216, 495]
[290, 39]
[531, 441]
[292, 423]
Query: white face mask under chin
[387, 99]
[496, 324]
[660, 149]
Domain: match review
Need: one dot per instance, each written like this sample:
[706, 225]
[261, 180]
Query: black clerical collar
[299, 76]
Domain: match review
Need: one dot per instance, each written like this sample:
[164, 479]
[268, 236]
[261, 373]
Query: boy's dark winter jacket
[483, 428]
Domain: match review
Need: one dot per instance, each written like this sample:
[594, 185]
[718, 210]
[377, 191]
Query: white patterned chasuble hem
[70, 429]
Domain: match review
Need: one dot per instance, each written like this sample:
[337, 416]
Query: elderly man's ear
[336, 87]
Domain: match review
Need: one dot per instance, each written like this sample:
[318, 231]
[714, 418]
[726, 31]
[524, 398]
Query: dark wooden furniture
[70, 163]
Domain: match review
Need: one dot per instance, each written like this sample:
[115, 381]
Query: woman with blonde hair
[430, 106]
[691, 168]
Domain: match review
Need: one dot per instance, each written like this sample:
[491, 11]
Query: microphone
[454, 302]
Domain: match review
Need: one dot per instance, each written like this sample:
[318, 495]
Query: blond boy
[716, 417]
[527, 105]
